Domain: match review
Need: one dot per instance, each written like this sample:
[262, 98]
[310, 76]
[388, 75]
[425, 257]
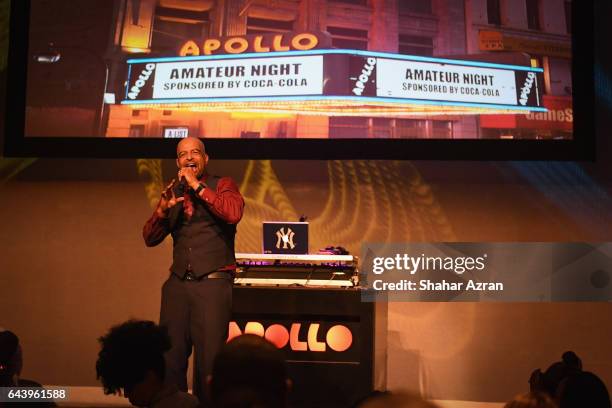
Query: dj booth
[310, 307]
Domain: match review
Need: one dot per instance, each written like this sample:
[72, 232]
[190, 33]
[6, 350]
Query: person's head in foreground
[249, 372]
[10, 359]
[531, 400]
[548, 381]
[132, 360]
[394, 400]
[583, 390]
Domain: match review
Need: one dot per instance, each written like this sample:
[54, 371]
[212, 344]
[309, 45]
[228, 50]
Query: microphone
[182, 185]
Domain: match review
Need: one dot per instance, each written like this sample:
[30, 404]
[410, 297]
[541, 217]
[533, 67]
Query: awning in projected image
[328, 107]
[333, 83]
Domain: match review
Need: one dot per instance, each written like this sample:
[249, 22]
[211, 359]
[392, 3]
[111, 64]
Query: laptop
[285, 237]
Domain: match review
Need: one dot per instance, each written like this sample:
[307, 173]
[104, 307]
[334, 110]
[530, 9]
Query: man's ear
[177, 164]
[205, 159]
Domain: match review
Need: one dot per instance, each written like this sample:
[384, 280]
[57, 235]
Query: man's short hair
[249, 370]
[128, 351]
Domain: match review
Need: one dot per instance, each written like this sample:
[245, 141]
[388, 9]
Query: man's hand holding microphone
[168, 200]
[187, 175]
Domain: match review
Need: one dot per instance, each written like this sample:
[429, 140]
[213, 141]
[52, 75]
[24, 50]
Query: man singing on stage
[201, 212]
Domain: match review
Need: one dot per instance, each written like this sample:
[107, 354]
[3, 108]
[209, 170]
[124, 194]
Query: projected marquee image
[295, 69]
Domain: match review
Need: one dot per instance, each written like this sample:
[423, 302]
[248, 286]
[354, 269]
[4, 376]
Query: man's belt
[190, 276]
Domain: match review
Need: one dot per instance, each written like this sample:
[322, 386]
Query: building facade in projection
[542, 30]
[242, 82]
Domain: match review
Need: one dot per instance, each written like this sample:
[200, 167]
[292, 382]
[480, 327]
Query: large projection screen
[300, 79]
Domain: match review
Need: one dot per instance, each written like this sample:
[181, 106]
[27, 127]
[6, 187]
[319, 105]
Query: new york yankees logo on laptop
[285, 237]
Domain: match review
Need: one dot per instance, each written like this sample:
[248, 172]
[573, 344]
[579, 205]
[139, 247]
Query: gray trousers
[196, 314]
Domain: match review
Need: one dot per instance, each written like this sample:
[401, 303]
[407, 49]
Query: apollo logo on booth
[338, 338]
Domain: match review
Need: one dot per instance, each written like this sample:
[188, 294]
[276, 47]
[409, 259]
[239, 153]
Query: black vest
[203, 243]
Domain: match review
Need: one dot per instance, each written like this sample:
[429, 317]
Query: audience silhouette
[132, 360]
[249, 372]
[11, 364]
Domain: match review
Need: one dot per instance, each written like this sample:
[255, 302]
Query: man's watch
[200, 188]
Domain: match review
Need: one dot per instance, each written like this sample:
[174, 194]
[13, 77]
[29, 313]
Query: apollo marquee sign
[231, 78]
[333, 74]
[261, 43]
